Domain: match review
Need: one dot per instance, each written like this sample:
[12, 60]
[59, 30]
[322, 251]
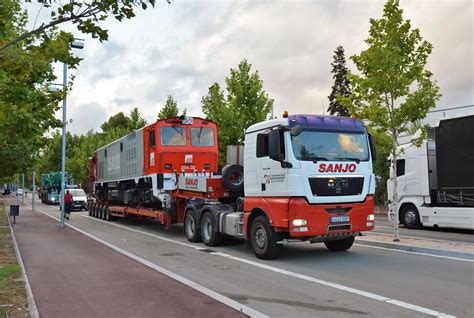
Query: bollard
[14, 211]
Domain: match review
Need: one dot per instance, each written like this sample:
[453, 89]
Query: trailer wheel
[340, 245]
[410, 217]
[233, 178]
[209, 236]
[263, 239]
[191, 227]
[103, 211]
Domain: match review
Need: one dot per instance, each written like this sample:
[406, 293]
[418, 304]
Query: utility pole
[23, 188]
[33, 191]
[63, 146]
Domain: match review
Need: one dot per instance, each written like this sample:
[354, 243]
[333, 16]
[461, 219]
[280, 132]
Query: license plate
[337, 219]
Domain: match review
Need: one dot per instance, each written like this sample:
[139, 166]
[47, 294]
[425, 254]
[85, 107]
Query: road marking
[206, 291]
[419, 238]
[417, 253]
[293, 274]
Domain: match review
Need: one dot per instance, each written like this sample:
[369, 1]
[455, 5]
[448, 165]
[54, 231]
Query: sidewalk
[72, 275]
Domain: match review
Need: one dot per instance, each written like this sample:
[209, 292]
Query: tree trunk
[396, 237]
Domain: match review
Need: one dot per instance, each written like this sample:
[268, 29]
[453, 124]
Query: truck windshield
[330, 146]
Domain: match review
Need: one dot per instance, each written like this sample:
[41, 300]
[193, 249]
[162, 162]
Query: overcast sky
[184, 47]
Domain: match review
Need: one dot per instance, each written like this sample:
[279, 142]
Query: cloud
[85, 117]
[182, 48]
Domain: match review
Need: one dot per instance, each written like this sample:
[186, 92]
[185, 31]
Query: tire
[191, 227]
[410, 217]
[340, 245]
[233, 178]
[106, 213]
[208, 234]
[263, 239]
[103, 210]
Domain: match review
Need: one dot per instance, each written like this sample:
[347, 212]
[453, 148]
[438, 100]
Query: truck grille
[336, 186]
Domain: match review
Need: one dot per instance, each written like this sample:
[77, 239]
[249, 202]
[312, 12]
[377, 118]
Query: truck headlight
[370, 217]
[299, 222]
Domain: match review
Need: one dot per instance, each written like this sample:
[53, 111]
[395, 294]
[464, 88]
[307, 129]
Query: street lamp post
[75, 45]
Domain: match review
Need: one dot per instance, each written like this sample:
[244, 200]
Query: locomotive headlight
[299, 222]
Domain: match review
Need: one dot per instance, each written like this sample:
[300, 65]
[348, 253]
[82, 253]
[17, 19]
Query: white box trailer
[436, 181]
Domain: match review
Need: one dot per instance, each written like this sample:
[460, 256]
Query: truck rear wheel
[411, 217]
[191, 227]
[340, 245]
[264, 239]
[209, 236]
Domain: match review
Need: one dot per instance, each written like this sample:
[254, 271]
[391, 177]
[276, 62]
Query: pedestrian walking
[67, 204]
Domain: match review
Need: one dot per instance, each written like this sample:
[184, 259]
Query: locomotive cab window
[202, 136]
[152, 138]
[173, 136]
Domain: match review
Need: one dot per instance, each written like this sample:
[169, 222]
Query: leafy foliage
[394, 88]
[170, 109]
[341, 84]
[246, 104]
[80, 148]
[86, 15]
[26, 107]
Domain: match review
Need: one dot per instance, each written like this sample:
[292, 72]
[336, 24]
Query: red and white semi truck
[304, 178]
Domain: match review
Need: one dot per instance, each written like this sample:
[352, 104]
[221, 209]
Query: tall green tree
[170, 109]
[394, 88]
[136, 121]
[26, 107]
[341, 83]
[86, 15]
[246, 103]
[118, 121]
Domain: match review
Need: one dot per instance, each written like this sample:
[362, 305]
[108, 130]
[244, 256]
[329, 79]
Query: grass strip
[13, 301]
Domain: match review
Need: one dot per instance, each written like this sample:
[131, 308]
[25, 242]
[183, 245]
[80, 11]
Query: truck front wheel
[340, 245]
[191, 228]
[264, 239]
[411, 217]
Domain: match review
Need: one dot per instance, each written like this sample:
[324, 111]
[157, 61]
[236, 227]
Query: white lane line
[416, 253]
[294, 274]
[33, 309]
[206, 291]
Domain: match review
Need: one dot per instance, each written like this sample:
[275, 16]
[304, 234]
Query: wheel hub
[260, 238]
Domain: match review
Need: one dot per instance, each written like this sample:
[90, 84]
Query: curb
[418, 249]
[29, 293]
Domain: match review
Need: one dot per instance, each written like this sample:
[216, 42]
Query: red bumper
[318, 217]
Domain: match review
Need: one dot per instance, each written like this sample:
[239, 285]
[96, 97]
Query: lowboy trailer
[303, 178]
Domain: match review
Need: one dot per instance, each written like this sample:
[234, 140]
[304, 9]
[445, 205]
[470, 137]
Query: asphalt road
[383, 226]
[307, 280]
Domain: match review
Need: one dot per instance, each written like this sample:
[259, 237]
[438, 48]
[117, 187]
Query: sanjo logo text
[337, 167]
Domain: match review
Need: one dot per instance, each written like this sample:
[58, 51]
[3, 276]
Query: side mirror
[275, 147]
[373, 150]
